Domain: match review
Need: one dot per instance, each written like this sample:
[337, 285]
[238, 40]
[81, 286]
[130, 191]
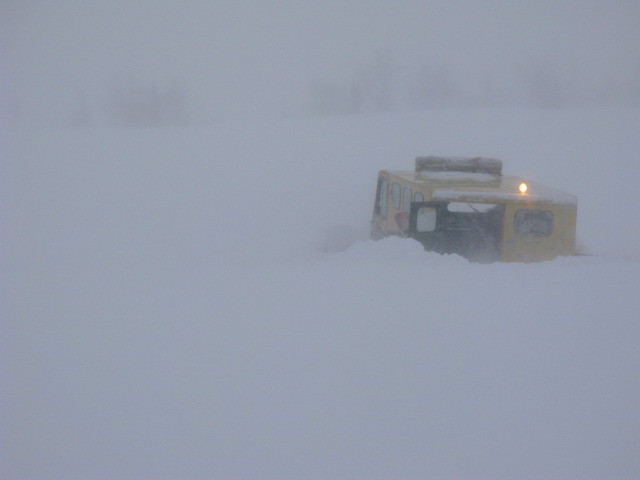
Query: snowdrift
[203, 302]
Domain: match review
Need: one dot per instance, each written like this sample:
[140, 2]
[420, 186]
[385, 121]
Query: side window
[395, 195]
[406, 199]
[381, 205]
[534, 223]
[418, 197]
[426, 219]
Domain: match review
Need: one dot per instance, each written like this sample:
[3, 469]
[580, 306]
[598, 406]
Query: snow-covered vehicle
[466, 206]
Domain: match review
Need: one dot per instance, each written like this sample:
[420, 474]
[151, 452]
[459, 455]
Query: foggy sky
[259, 57]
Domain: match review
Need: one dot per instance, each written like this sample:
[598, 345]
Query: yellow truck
[466, 206]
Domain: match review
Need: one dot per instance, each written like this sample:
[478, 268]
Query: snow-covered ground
[203, 303]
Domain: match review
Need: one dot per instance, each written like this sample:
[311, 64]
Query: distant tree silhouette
[149, 105]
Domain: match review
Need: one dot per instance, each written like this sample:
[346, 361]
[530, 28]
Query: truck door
[468, 229]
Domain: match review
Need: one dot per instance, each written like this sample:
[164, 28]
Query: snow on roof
[545, 196]
[458, 176]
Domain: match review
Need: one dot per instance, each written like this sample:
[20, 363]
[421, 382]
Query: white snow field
[202, 302]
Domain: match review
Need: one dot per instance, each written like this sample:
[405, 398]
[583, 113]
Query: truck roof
[481, 187]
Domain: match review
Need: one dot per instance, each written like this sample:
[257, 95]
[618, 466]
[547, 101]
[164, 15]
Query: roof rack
[434, 163]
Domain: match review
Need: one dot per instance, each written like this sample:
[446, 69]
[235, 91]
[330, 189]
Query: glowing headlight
[523, 187]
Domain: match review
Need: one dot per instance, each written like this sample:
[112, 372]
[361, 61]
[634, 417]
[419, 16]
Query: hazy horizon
[89, 62]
